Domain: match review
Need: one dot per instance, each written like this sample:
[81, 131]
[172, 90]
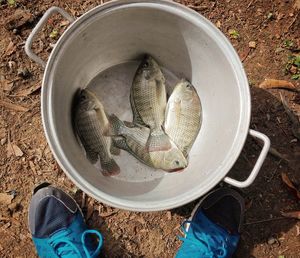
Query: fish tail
[110, 168]
[158, 141]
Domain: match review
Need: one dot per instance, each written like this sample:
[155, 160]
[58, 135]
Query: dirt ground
[26, 160]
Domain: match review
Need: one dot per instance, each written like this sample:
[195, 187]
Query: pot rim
[184, 198]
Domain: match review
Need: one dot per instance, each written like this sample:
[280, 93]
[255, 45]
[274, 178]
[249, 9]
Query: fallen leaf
[5, 198]
[13, 149]
[11, 2]
[13, 106]
[291, 214]
[11, 48]
[234, 33]
[276, 84]
[26, 92]
[291, 186]
[18, 152]
[53, 34]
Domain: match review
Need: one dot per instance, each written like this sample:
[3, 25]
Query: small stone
[218, 24]
[169, 215]
[271, 241]
[3, 141]
[12, 65]
[252, 44]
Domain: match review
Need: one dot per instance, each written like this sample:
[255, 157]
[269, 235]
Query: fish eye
[83, 97]
[177, 162]
[146, 64]
[188, 86]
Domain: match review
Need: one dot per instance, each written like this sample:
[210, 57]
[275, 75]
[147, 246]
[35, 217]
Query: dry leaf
[291, 186]
[13, 106]
[11, 48]
[277, 84]
[291, 214]
[13, 149]
[18, 152]
[5, 198]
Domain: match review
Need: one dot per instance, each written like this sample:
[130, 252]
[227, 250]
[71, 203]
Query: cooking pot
[102, 50]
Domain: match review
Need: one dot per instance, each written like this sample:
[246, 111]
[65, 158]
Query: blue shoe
[57, 226]
[213, 231]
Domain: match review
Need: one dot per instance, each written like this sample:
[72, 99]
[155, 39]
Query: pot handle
[257, 166]
[38, 27]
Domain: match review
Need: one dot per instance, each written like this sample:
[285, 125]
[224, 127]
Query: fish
[148, 101]
[183, 117]
[134, 141]
[90, 123]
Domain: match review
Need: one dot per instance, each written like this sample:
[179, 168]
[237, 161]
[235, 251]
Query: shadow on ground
[267, 196]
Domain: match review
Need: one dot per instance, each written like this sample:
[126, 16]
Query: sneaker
[57, 225]
[213, 231]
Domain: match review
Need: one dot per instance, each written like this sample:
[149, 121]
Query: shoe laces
[206, 245]
[63, 245]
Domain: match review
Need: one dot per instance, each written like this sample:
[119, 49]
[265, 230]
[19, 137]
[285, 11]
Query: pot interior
[102, 50]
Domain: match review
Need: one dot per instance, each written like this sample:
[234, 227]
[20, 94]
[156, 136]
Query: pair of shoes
[213, 230]
[57, 226]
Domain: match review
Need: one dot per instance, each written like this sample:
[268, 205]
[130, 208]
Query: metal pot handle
[257, 166]
[38, 27]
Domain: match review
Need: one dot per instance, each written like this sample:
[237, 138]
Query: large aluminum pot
[186, 45]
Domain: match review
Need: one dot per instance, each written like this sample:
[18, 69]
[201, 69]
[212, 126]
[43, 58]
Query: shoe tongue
[65, 247]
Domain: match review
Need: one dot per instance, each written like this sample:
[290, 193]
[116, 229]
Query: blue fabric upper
[205, 239]
[71, 242]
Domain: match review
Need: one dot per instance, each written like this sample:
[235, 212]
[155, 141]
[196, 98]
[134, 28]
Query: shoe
[57, 225]
[213, 231]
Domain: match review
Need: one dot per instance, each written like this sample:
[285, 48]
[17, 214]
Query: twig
[263, 221]
[251, 2]
[291, 24]
[198, 8]
[274, 152]
[13, 106]
[246, 55]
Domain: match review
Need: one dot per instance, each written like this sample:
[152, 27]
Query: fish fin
[92, 156]
[114, 150]
[110, 168]
[136, 116]
[158, 141]
[129, 124]
[115, 128]
[120, 143]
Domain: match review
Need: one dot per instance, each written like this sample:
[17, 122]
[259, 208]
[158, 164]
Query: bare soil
[26, 160]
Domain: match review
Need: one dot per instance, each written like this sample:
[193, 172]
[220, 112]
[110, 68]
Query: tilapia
[135, 140]
[183, 116]
[90, 122]
[149, 100]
